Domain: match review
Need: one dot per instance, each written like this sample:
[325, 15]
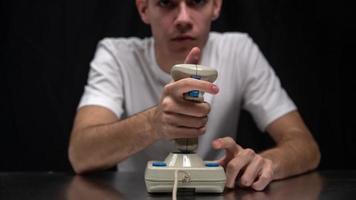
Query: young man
[131, 110]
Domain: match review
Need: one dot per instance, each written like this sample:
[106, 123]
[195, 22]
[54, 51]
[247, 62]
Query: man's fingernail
[216, 144]
[215, 88]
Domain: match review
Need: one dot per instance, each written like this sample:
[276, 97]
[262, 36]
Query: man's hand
[176, 117]
[244, 165]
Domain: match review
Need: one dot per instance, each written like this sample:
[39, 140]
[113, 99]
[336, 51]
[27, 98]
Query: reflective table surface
[115, 185]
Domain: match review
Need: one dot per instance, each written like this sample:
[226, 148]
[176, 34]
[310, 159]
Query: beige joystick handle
[180, 71]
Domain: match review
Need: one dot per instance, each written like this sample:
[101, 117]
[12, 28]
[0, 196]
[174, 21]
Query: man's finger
[251, 172]
[222, 161]
[193, 57]
[182, 86]
[228, 144]
[234, 168]
[230, 147]
[264, 178]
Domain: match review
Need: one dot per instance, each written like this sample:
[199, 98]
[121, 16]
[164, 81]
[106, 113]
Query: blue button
[193, 93]
[159, 164]
[213, 164]
[196, 77]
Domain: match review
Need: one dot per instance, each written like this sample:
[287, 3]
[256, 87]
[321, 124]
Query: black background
[46, 47]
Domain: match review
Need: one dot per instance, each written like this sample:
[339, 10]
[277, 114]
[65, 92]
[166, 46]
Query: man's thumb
[193, 56]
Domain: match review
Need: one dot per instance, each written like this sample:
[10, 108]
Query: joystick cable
[185, 179]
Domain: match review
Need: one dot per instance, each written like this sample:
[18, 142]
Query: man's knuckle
[167, 88]
[269, 165]
[229, 139]
[249, 152]
[166, 104]
[270, 173]
[232, 166]
[266, 176]
[259, 159]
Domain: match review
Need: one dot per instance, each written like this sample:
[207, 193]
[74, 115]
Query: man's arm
[99, 140]
[296, 152]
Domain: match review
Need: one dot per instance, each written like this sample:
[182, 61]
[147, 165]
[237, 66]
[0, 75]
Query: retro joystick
[184, 169]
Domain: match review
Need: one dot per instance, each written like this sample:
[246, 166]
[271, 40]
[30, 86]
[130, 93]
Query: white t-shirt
[125, 78]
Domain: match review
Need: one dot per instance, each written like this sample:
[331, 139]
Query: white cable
[175, 185]
[185, 179]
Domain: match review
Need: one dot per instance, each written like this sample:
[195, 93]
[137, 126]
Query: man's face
[179, 25]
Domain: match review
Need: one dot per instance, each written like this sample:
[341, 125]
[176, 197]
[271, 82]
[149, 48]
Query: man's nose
[183, 20]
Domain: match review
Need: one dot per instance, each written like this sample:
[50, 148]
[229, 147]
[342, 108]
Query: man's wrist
[150, 123]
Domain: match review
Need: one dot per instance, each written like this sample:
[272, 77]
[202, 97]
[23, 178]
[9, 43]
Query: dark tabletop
[114, 185]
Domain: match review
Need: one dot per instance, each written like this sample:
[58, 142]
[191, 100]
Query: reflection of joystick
[200, 72]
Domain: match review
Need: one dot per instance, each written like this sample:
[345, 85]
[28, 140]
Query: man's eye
[165, 3]
[197, 2]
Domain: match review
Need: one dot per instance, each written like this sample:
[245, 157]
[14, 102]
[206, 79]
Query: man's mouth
[183, 38]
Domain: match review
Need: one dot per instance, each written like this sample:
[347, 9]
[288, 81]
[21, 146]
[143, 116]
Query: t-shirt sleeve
[264, 96]
[104, 86]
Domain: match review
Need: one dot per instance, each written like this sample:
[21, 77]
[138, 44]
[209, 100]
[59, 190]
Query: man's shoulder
[228, 41]
[237, 42]
[223, 36]
[125, 44]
